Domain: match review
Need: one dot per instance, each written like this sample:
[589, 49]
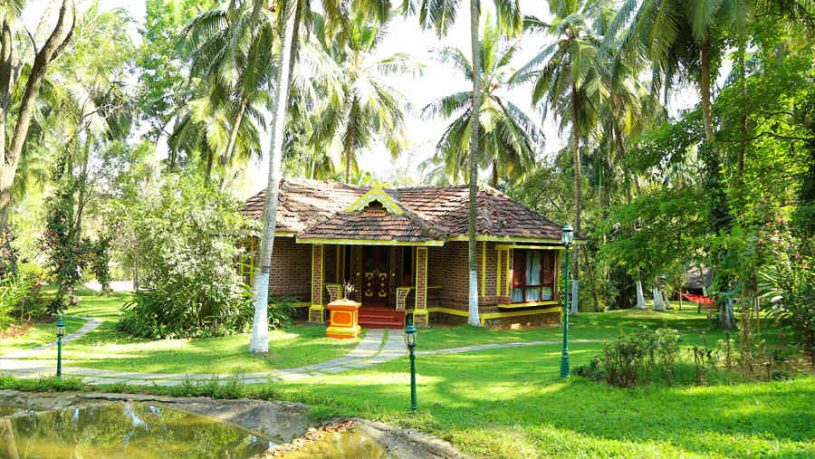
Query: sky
[437, 79]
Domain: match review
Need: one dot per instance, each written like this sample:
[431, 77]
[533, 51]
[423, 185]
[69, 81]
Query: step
[381, 325]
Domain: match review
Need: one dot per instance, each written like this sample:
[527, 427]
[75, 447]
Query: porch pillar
[316, 312]
[420, 318]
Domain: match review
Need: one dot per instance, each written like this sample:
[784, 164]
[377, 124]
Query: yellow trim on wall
[527, 304]
[368, 242]
[490, 315]
[503, 262]
[299, 304]
[464, 237]
[529, 247]
[510, 273]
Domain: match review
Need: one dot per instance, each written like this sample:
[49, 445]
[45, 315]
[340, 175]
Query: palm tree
[19, 91]
[289, 14]
[362, 108]
[510, 138]
[678, 38]
[439, 15]
[232, 62]
[567, 79]
[683, 39]
[259, 339]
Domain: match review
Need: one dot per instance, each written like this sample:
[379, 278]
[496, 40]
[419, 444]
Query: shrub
[21, 299]
[790, 286]
[281, 310]
[635, 357]
[188, 243]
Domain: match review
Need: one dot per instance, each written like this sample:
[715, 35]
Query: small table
[343, 321]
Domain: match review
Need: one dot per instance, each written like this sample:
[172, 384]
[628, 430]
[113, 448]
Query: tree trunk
[704, 87]
[743, 122]
[640, 295]
[472, 247]
[229, 154]
[657, 295]
[494, 178]
[259, 340]
[577, 198]
[592, 281]
[56, 42]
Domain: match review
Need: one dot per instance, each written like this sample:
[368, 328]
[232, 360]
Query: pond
[122, 430]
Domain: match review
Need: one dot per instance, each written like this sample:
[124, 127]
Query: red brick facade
[291, 269]
[447, 276]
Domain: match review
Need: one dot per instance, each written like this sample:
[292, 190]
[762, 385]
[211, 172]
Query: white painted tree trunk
[640, 296]
[658, 304]
[259, 340]
[575, 297]
[472, 248]
[472, 316]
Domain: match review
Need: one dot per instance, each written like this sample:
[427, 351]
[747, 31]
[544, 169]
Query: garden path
[378, 346]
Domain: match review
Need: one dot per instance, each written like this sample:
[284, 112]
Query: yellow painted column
[316, 311]
[420, 318]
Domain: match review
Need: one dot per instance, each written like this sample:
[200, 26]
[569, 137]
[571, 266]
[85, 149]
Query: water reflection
[123, 430]
[352, 443]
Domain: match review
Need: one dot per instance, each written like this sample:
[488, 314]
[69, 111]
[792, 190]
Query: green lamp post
[60, 334]
[410, 340]
[567, 237]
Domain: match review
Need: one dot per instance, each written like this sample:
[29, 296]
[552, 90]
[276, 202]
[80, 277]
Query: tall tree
[567, 79]
[511, 139]
[230, 53]
[683, 39]
[361, 106]
[34, 61]
[439, 15]
[259, 340]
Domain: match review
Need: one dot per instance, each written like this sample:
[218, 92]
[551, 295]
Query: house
[405, 252]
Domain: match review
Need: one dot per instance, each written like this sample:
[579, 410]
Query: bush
[281, 310]
[188, 243]
[21, 299]
[637, 357]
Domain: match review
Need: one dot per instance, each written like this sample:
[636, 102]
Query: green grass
[511, 403]
[599, 326]
[506, 402]
[106, 348]
[37, 335]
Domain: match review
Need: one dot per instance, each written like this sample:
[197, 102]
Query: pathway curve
[378, 346]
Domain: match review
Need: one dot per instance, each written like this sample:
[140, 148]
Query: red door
[375, 277]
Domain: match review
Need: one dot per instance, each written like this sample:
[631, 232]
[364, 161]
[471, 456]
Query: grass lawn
[106, 348]
[603, 326]
[511, 403]
[506, 402]
[37, 335]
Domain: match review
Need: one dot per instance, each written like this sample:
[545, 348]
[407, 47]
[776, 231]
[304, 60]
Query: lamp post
[60, 334]
[566, 238]
[410, 340]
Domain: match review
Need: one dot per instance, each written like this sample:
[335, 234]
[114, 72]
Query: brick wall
[448, 267]
[291, 269]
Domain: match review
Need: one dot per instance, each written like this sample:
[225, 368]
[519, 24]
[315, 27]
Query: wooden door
[375, 276]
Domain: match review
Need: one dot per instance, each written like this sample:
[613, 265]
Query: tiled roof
[315, 210]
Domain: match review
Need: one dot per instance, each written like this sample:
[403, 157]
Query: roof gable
[376, 193]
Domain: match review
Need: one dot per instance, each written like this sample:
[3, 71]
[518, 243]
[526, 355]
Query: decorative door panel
[376, 276]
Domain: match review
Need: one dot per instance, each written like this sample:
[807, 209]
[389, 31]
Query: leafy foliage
[187, 237]
[636, 357]
[21, 299]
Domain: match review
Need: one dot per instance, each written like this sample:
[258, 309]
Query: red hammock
[698, 299]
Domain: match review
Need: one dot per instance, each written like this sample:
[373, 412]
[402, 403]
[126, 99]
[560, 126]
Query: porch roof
[320, 210]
